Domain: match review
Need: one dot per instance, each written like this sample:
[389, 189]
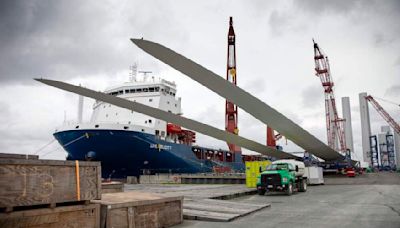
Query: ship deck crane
[384, 114]
[231, 110]
[334, 124]
[272, 137]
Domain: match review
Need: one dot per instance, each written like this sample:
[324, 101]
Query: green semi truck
[284, 176]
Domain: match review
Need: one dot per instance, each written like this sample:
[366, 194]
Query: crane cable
[66, 144]
[391, 102]
[41, 148]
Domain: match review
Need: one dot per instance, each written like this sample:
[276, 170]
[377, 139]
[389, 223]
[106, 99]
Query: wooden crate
[112, 187]
[19, 156]
[35, 182]
[137, 209]
[79, 216]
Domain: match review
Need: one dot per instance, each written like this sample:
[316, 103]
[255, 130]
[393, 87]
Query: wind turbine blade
[241, 98]
[171, 118]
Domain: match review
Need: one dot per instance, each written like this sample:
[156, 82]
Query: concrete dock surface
[347, 203]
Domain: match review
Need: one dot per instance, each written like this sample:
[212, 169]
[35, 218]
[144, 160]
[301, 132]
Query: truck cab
[282, 175]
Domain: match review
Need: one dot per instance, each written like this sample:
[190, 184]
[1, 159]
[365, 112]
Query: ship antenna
[145, 74]
[133, 73]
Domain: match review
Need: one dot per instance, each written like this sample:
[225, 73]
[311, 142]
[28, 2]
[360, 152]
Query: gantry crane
[334, 124]
[384, 114]
[231, 110]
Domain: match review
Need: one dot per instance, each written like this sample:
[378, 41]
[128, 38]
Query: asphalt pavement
[348, 203]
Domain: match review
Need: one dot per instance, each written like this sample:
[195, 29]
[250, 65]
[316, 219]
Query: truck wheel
[303, 186]
[289, 189]
[261, 192]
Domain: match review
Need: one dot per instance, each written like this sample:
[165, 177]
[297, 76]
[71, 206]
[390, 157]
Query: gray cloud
[312, 96]
[394, 91]
[319, 7]
[64, 39]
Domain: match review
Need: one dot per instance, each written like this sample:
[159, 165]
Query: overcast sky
[87, 42]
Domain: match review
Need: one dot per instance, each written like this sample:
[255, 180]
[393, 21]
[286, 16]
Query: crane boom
[384, 114]
[334, 124]
[231, 110]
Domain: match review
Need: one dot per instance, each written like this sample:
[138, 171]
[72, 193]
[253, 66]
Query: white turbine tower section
[365, 128]
[80, 109]
[397, 148]
[348, 131]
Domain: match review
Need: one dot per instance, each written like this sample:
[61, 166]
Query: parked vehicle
[283, 175]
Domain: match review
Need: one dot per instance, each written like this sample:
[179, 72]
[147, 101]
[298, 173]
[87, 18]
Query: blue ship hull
[129, 153]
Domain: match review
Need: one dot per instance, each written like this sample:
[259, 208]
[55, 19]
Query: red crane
[334, 124]
[384, 114]
[272, 138]
[231, 110]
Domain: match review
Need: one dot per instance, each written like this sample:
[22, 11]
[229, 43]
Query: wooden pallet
[58, 217]
[112, 187]
[19, 156]
[38, 182]
[39, 206]
[139, 209]
[218, 210]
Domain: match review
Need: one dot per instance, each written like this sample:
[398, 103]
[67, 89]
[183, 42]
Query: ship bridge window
[120, 92]
[229, 157]
[197, 152]
[114, 93]
[151, 89]
[139, 90]
[150, 100]
[127, 91]
[132, 90]
[157, 89]
[145, 90]
[220, 155]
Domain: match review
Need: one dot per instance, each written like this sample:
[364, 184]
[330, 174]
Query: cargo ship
[129, 143]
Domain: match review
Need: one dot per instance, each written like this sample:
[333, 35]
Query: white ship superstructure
[156, 93]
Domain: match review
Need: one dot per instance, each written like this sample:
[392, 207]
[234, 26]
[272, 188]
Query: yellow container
[253, 169]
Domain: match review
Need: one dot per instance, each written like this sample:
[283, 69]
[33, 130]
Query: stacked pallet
[140, 209]
[19, 156]
[112, 187]
[48, 193]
